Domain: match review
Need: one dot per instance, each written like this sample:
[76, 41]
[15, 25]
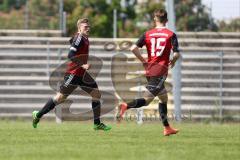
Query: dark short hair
[161, 15]
[82, 20]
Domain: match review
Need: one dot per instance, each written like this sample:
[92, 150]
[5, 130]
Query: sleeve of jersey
[141, 41]
[76, 44]
[174, 42]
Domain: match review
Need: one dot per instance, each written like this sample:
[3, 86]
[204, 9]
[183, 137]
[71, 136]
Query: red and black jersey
[78, 54]
[159, 43]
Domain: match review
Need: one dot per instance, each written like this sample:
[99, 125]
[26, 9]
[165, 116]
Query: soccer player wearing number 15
[159, 43]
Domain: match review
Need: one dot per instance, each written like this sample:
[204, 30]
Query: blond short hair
[82, 20]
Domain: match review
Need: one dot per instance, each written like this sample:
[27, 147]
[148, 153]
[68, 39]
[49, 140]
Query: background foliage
[133, 18]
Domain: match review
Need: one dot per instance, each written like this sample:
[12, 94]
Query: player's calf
[163, 114]
[51, 103]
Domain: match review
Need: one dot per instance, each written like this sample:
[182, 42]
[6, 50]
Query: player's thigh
[89, 85]
[155, 85]
[69, 84]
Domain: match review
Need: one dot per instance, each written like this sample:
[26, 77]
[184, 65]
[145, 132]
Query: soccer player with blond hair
[76, 75]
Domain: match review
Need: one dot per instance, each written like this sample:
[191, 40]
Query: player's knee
[96, 94]
[163, 98]
[59, 98]
[148, 101]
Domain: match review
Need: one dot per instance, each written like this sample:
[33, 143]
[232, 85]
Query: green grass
[128, 141]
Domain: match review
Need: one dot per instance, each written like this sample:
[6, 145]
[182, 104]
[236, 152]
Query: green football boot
[35, 119]
[101, 126]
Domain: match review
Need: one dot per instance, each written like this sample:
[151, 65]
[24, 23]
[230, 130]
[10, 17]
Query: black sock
[47, 108]
[96, 106]
[137, 103]
[163, 113]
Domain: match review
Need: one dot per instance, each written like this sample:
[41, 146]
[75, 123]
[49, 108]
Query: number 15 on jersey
[157, 46]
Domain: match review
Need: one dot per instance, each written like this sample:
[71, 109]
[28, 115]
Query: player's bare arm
[176, 56]
[137, 53]
[175, 49]
[135, 49]
[86, 66]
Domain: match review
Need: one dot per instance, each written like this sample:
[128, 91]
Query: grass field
[128, 141]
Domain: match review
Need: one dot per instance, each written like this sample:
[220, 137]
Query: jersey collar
[160, 27]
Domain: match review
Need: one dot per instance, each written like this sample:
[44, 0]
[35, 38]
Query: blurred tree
[133, 18]
[192, 15]
[12, 20]
[4, 6]
[11, 14]
[100, 14]
[144, 13]
[7, 5]
[232, 26]
[44, 14]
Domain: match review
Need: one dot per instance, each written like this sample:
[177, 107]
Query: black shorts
[71, 82]
[155, 85]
